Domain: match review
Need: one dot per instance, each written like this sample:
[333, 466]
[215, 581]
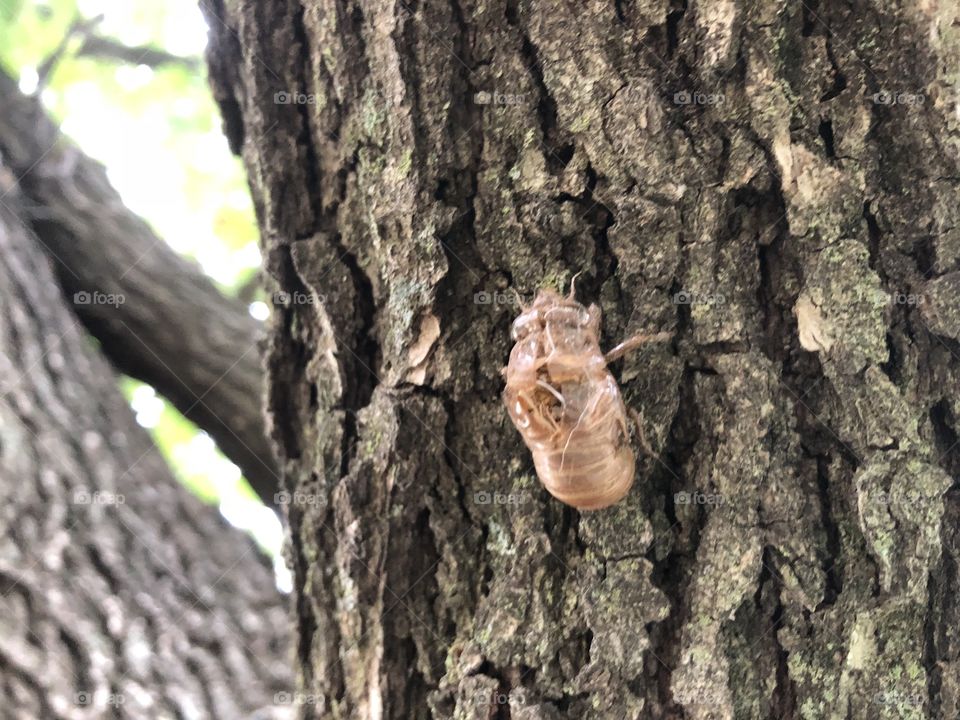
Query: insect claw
[519, 298]
[632, 343]
[554, 393]
[642, 436]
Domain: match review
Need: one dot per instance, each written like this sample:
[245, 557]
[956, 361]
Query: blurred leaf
[234, 227]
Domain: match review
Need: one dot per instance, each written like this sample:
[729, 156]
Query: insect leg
[586, 411]
[537, 410]
[545, 412]
[553, 345]
[632, 343]
[573, 292]
[518, 299]
[550, 389]
[642, 436]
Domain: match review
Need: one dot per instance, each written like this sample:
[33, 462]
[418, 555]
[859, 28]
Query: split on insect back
[566, 403]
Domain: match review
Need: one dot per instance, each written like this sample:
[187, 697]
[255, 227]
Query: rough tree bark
[773, 182]
[174, 330]
[121, 595]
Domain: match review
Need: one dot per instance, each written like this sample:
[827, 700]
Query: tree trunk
[121, 595]
[775, 184]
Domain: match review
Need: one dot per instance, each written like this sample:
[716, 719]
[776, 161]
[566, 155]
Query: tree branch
[173, 328]
[79, 26]
[97, 46]
[108, 49]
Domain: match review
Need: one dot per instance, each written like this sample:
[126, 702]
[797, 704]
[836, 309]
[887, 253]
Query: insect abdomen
[588, 477]
[587, 462]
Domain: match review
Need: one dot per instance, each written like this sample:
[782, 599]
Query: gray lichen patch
[883, 676]
[873, 414]
[820, 198]
[622, 531]
[940, 305]
[850, 307]
[619, 602]
[900, 501]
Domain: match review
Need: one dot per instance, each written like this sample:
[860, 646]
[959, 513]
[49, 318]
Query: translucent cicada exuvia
[566, 404]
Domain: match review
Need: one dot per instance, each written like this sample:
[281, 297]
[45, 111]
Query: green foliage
[30, 31]
[156, 130]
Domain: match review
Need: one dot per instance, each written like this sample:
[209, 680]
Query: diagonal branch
[109, 49]
[173, 328]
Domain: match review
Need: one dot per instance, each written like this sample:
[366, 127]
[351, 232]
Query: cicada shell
[566, 403]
